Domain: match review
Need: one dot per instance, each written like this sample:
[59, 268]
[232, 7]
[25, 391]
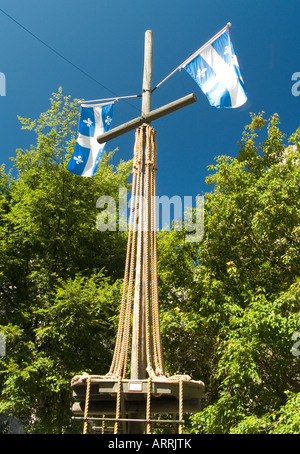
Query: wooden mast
[138, 352]
[114, 393]
[138, 349]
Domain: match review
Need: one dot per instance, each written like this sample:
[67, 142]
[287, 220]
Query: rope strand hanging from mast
[153, 342]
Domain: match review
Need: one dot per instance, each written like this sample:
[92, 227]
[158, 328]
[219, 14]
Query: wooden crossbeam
[148, 118]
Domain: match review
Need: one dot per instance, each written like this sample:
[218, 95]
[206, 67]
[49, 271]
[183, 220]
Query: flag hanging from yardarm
[216, 70]
[95, 119]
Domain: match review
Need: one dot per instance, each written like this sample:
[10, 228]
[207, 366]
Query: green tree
[231, 305]
[59, 275]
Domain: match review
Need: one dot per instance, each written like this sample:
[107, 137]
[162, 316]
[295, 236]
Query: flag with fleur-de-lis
[95, 119]
[216, 70]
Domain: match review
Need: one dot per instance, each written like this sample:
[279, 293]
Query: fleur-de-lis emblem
[108, 120]
[78, 159]
[201, 72]
[227, 50]
[88, 122]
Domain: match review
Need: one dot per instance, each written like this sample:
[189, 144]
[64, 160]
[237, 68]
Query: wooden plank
[164, 421]
[108, 388]
[137, 407]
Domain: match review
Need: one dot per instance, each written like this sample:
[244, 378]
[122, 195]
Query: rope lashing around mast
[145, 137]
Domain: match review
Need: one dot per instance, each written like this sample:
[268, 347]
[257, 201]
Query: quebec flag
[95, 119]
[216, 71]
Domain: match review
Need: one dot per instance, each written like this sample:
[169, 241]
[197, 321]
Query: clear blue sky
[106, 39]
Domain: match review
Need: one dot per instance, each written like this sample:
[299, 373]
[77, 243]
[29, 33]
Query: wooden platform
[133, 393]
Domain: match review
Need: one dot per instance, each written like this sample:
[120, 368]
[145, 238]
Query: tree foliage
[229, 305]
[234, 313]
[59, 275]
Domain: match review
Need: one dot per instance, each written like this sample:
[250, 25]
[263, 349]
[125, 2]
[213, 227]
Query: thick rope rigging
[142, 220]
[145, 139]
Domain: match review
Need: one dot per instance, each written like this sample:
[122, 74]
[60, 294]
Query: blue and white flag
[95, 119]
[216, 70]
